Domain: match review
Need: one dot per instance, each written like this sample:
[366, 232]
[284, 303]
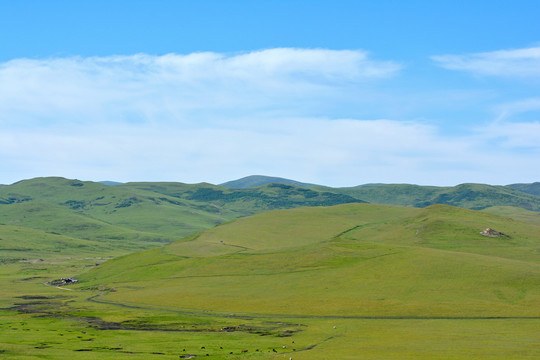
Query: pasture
[352, 281]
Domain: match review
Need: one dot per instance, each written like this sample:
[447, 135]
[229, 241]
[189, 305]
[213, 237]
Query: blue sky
[332, 92]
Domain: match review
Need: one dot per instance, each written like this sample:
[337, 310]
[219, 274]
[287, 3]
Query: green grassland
[517, 213]
[352, 281]
[352, 259]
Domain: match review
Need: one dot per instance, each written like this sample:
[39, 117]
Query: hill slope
[140, 215]
[533, 188]
[315, 283]
[349, 260]
[470, 196]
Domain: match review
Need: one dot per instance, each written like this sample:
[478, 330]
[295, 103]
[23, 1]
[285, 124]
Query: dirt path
[58, 287]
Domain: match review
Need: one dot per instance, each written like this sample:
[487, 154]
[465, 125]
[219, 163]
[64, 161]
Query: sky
[339, 93]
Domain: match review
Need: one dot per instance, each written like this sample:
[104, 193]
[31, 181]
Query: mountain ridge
[258, 180]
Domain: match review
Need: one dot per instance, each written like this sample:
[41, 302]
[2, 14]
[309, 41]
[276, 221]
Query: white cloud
[342, 152]
[507, 63]
[172, 87]
[215, 117]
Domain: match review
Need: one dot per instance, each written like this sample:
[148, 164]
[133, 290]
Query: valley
[278, 271]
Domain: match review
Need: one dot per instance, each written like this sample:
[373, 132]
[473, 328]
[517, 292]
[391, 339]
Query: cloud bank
[216, 117]
[155, 88]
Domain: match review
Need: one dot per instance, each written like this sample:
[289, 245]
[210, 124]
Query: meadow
[353, 281]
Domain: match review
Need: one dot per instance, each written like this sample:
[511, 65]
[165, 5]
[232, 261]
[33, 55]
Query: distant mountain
[258, 180]
[533, 188]
[110, 183]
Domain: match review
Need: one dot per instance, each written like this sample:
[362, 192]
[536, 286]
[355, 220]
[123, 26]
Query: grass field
[352, 281]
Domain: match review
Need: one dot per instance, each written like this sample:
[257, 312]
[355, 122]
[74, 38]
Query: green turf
[347, 282]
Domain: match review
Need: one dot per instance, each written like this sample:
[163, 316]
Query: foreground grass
[347, 282]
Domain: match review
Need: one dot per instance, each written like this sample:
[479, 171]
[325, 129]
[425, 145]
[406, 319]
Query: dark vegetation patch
[174, 202]
[37, 307]
[14, 199]
[128, 202]
[74, 204]
[81, 227]
[53, 307]
[4, 260]
[33, 278]
[34, 297]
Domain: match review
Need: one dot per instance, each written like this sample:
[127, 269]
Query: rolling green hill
[361, 260]
[533, 188]
[246, 201]
[470, 196]
[517, 213]
[341, 272]
[304, 283]
[141, 215]
[133, 216]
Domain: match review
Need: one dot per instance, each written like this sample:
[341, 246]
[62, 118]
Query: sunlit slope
[133, 209]
[60, 221]
[517, 213]
[19, 243]
[348, 260]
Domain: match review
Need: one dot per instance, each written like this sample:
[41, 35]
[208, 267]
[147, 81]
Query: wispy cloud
[507, 63]
[170, 87]
[341, 152]
[514, 135]
[509, 109]
[214, 117]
